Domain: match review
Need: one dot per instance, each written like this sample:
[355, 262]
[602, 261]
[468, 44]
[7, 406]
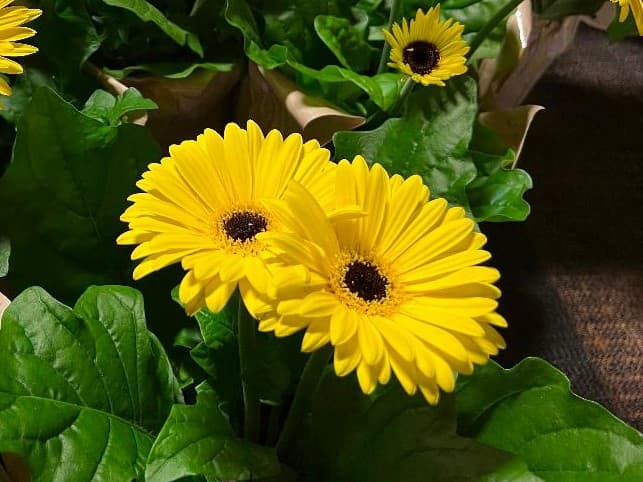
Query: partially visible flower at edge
[637, 12]
[427, 49]
[11, 30]
[203, 207]
[396, 291]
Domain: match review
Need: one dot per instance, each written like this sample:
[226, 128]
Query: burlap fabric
[573, 273]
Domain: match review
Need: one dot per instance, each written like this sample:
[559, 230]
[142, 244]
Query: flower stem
[308, 383]
[491, 24]
[386, 50]
[404, 92]
[251, 404]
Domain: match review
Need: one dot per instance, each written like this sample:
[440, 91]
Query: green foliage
[63, 55]
[347, 42]
[391, 436]
[5, 252]
[169, 70]
[67, 185]
[531, 412]
[617, 31]
[557, 9]
[198, 440]
[432, 138]
[335, 59]
[149, 13]
[88, 386]
[110, 110]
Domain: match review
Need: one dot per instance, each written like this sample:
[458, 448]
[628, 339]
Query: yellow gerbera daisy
[203, 206]
[397, 290]
[11, 19]
[429, 50]
[637, 12]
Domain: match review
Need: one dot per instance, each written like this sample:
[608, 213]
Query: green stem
[308, 383]
[273, 425]
[247, 327]
[386, 50]
[491, 24]
[404, 92]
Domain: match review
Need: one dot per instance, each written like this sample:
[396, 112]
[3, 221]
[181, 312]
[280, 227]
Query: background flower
[427, 49]
[397, 290]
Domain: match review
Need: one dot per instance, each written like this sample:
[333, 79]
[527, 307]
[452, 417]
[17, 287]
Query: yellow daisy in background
[203, 207]
[11, 19]
[428, 50]
[637, 12]
[398, 290]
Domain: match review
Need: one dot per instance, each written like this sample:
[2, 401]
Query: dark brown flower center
[244, 226]
[366, 281]
[422, 57]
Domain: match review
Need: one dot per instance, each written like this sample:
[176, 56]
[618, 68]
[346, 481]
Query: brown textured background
[573, 272]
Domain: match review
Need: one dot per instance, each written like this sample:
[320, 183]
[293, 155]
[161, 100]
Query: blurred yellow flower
[11, 30]
[637, 12]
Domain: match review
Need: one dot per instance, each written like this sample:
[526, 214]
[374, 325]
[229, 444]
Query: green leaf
[198, 440]
[87, 386]
[103, 106]
[21, 92]
[617, 31]
[497, 193]
[5, 252]
[557, 9]
[390, 436]
[68, 184]
[530, 411]
[346, 41]
[169, 70]
[430, 139]
[433, 139]
[149, 13]
[64, 54]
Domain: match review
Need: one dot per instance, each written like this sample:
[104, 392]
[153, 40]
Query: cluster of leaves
[107, 398]
[332, 48]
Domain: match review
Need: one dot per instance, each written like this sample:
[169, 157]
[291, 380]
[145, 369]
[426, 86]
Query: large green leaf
[82, 391]
[430, 139]
[149, 13]
[109, 109]
[198, 440]
[67, 186]
[390, 436]
[530, 411]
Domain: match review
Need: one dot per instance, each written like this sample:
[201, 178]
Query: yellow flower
[203, 206]
[429, 51]
[11, 19]
[637, 12]
[397, 290]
